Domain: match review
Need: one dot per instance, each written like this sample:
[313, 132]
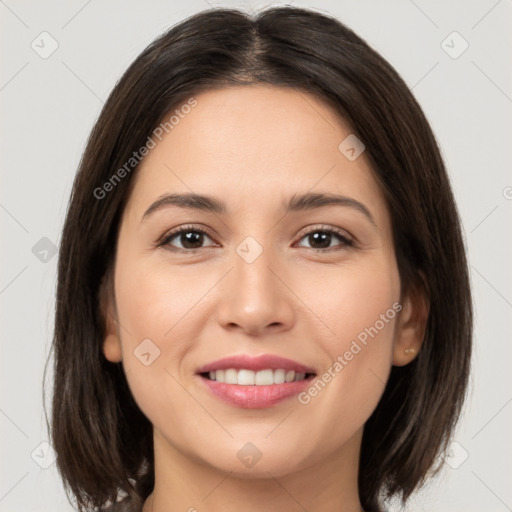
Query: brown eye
[321, 239]
[187, 239]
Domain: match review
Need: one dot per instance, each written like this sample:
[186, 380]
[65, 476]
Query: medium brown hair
[102, 439]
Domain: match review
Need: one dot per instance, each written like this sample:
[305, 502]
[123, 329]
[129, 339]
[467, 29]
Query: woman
[263, 299]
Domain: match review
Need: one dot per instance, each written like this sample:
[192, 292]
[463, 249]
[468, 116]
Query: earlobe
[112, 348]
[111, 341]
[411, 328]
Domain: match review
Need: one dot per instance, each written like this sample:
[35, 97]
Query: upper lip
[255, 363]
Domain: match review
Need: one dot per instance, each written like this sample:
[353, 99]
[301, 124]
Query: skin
[252, 148]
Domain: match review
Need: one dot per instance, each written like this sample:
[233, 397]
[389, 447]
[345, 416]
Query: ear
[411, 326]
[111, 340]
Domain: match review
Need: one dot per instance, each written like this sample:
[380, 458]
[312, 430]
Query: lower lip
[255, 397]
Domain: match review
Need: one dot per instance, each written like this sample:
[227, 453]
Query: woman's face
[286, 251]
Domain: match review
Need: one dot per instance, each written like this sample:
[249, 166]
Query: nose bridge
[251, 272]
[253, 280]
[255, 299]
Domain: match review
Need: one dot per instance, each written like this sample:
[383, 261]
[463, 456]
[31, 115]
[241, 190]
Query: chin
[246, 461]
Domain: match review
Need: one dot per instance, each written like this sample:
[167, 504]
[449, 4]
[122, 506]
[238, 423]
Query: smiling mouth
[244, 377]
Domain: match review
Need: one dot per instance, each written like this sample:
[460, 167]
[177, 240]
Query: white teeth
[230, 376]
[264, 378]
[246, 377]
[250, 378]
[279, 376]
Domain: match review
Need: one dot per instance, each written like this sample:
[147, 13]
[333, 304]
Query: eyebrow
[297, 202]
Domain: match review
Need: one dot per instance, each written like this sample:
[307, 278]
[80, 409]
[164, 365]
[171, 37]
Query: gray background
[48, 106]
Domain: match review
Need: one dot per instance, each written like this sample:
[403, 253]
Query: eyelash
[165, 239]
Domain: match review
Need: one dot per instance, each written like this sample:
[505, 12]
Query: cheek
[360, 308]
[352, 299]
[148, 309]
[161, 314]
[153, 301]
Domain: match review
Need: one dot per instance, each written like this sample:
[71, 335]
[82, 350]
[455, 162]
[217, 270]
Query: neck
[186, 484]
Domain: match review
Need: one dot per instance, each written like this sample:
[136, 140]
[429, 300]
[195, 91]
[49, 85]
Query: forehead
[251, 145]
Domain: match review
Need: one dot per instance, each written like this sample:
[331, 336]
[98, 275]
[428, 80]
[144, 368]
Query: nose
[254, 298]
